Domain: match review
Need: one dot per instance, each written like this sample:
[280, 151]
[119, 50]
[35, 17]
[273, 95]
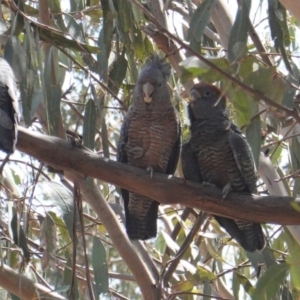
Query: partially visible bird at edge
[150, 139]
[8, 110]
[217, 153]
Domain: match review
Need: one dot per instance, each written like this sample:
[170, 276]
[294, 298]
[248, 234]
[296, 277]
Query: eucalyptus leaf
[200, 18]
[169, 241]
[253, 134]
[52, 94]
[48, 236]
[280, 36]
[67, 279]
[54, 5]
[100, 267]
[18, 58]
[293, 259]
[184, 285]
[60, 201]
[242, 104]
[192, 67]
[105, 143]
[61, 40]
[268, 284]
[117, 73]
[105, 39]
[65, 237]
[267, 82]
[295, 163]
[237, 45]
[19, 236]
[205, 274]
[290, 91]
[245, 282]
[75, 29]
[89, 124]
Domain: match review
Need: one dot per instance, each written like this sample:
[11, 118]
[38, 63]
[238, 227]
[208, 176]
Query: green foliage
[199, 20]
[279, 29]
[100, 267]
[239, 33]
[89, 124]
[267, 286]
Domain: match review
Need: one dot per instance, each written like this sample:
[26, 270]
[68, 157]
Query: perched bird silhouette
[150, 139]
[8, 108]
[217, 153]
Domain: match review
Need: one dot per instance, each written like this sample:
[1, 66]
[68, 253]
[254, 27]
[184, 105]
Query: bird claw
[136, 152]
[150, 170]
[226, 189]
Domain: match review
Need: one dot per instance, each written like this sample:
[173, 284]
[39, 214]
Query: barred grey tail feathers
[141, 217]
[248, 235]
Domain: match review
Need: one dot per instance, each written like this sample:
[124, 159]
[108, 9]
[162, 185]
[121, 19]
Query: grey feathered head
[154, 61]
[152, 80]
[206, 101]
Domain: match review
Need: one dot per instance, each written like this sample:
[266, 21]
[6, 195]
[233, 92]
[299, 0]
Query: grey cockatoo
[217, 153]
[150, 139]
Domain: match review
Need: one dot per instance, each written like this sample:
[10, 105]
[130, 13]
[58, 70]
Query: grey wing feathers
[172, 163]
[249, 235]
[5, 120]
[190, 167]
[122, 157]
[121, 154]
[244, 159]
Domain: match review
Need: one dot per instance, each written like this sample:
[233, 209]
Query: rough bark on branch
[23, 287]
[165, 189]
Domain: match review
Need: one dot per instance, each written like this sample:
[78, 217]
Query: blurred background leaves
[76, 63]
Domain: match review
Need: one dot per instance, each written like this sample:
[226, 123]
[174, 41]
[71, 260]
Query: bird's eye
[207, 94]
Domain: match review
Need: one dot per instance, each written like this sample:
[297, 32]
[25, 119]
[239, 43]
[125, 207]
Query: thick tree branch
[120, 240]
[165, 189]
[94, 198]
[23, 287]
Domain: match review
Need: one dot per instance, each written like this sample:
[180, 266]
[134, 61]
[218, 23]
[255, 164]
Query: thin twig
[78, 202]
[172, 264]
[165, 189]
[177, 228]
